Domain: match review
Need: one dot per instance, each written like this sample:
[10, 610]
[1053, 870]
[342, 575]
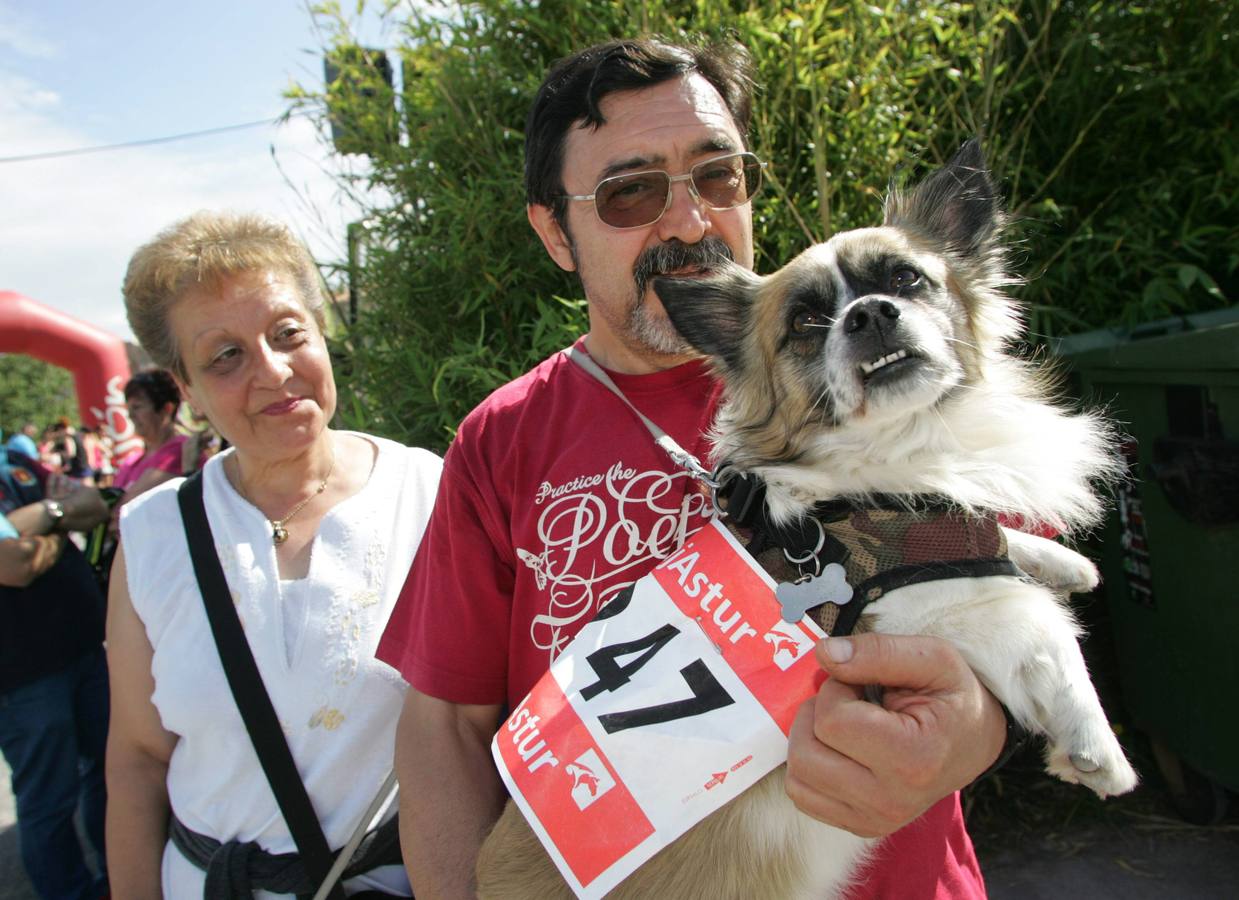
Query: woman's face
[256, 362]
[148, 421]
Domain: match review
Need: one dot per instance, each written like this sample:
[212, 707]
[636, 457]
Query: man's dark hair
[576, 85]
[155, 385]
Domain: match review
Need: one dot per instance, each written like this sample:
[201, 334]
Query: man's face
[670, 126]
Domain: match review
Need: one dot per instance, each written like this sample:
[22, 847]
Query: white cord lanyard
[678, 454]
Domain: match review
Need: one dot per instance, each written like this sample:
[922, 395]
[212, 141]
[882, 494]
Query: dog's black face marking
[886, 274]
[810, 313]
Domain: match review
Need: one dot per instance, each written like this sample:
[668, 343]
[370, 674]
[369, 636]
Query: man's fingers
[918, 663]
[923, 679]
[811, 762]
[891, 739]
[828, 785]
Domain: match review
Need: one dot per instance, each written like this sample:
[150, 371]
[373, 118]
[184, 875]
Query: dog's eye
[904, 277]
[805, 321]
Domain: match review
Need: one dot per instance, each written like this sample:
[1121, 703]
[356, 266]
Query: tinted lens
[728, 181]
[628, 201]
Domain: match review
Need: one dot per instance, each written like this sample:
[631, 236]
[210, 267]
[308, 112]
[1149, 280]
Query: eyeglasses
[641, 198]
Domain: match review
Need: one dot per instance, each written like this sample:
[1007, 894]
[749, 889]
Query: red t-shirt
[554, 497]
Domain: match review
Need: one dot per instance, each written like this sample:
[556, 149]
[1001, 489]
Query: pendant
[279, 533]
[797, 598]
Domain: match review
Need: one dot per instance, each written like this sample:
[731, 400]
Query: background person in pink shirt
[153, 401]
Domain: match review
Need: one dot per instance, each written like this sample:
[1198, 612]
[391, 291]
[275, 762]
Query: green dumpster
[1170, 548]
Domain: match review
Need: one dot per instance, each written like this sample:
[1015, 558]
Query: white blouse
[314, 646]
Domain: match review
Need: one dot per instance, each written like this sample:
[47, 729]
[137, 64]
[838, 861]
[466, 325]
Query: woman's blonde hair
[201, 251]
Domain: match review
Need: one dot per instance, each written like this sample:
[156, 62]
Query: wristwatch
[55, 511]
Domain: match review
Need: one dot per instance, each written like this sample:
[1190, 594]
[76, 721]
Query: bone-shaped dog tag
[829, 587]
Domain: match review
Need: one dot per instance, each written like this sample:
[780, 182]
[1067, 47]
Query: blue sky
[84, 73]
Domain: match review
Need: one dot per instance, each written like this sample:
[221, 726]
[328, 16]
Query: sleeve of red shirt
[1017, 522]
[931, 858]
[448, 633]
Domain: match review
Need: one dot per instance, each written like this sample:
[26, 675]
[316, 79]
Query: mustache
[707, 253]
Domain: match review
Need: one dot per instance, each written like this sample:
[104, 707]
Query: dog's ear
[712, 312]
[957, 204]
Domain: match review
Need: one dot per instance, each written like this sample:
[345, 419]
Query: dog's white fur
[958, 418]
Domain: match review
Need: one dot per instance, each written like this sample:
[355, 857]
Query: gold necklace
[279, 534]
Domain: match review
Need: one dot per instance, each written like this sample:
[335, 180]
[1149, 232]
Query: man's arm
[83, 506]
[871, 769]
[450, 792]
[24, 559]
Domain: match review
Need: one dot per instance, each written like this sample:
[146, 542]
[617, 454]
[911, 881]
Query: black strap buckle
[738, 496]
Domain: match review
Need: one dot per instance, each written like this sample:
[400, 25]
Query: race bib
[677, 698]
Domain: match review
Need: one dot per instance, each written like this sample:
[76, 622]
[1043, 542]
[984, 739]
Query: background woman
[315, 530]
[153, 400]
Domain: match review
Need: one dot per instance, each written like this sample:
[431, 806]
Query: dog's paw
[1079, 576]
[1098, 764]
[1059, 568]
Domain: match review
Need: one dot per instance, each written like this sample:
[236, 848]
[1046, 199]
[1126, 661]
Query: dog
[874, 371]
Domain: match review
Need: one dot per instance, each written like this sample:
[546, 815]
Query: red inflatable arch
[97, 360]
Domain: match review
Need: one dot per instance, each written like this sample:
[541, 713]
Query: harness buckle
[739, 496]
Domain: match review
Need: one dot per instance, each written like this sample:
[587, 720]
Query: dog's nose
[869, 312]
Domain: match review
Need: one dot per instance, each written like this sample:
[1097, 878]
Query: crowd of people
[58, 502]
[87, 453]
[388, 612]
[83, 453]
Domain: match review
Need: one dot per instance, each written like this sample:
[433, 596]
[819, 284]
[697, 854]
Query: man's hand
[84, 506]
[23, 559]
[59, 486]
[871, 769]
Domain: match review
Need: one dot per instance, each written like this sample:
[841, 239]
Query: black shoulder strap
[917, 573]
[247, 689]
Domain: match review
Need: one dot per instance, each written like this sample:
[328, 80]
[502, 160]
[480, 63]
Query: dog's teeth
[870, 368]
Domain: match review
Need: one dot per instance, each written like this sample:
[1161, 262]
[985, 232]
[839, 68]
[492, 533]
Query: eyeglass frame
[671, 181]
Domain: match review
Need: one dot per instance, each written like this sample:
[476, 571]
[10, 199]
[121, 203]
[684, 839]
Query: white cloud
[70, 223]
[19, 36]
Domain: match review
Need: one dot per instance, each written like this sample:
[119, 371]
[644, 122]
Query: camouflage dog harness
[849, 553]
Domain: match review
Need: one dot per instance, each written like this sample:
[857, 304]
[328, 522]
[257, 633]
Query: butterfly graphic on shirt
[537, 563]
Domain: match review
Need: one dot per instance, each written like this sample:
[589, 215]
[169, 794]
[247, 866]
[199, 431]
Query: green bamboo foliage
[1109, 126]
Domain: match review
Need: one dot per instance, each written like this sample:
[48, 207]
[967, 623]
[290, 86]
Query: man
[554, 498]
[53, 679]
[24, 441]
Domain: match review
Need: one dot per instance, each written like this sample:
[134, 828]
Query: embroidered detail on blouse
[326, 717]
[345, 643]
[376, 559]
[365, 597]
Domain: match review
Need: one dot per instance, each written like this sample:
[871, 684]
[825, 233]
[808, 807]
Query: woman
[67, 445]
[153, 400]
[315, 530]
[96, 455]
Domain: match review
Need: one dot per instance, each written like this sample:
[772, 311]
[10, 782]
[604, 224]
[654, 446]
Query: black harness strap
[902, 576]
[741, 497]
